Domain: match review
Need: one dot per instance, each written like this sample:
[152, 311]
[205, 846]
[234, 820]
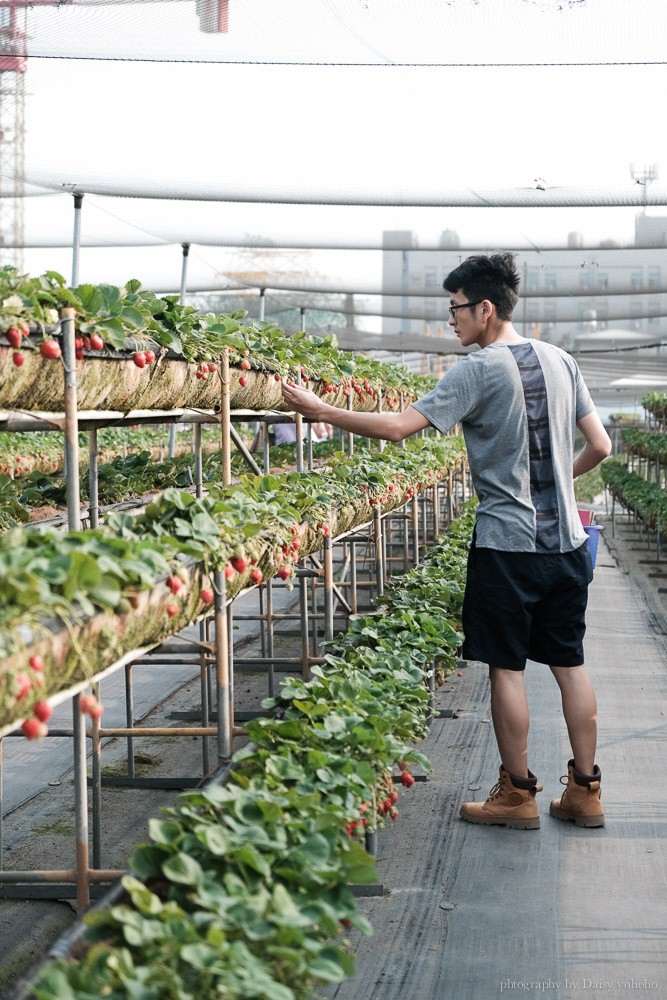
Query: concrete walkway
[474, 913]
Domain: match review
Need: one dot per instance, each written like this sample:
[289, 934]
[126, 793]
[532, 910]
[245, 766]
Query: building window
[654, 277]
[654, 315]
[550, 280]
[636, 309]
[430, 277]
[637, 280]
[533, 282]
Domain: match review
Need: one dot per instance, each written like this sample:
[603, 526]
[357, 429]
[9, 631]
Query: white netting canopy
[354, 32]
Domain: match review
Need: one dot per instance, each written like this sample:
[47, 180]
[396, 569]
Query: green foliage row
[129, 317]
[72, 575]
[244, 890]
[647, 500]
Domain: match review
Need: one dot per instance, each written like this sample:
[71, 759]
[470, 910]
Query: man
[517, 401]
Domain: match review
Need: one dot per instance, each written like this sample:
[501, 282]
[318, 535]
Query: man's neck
[504, 333]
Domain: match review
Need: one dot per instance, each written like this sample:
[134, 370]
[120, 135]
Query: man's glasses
[464, 305]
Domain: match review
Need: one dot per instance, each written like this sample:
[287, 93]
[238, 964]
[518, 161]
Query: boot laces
[495, 791]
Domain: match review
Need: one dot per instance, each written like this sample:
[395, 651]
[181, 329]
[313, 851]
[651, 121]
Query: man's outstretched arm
[597, 447]
[388, 426]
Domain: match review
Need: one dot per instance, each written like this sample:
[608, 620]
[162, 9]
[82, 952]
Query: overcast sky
[338, 126]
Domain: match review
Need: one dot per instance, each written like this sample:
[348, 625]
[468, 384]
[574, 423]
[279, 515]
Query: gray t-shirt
[518, 405]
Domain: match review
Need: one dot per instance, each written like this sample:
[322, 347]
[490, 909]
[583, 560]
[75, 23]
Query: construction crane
[13, 64]
[213, 17]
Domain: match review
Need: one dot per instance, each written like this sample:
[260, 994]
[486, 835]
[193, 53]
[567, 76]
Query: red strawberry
[407, 780]
[246, 364]
[140, 359]
[284, 573]
[36, 662]
[91, 706]
[43, 711]
[78, 353]
[18, 358]
[230, 572]
[256, 575]
[239, 564]
[33, 729]
[206, 596]
[277, 377]
[96, 343]
[172, 609]
[24, 685]
[134, 600]
[174, 583]
[150, 356]
[212, 367]
[243, 381]
[14, 336]
[50, 349]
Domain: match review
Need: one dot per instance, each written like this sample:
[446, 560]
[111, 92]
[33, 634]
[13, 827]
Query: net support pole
[76, 239]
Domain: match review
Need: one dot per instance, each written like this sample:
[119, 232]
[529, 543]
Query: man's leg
[580, 711]
[580, 802]
[511, 801]
[511, 719]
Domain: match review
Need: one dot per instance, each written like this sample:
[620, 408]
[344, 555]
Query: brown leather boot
[508, 804]
[580, 802]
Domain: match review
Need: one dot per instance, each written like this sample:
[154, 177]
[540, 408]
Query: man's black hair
[494, 278]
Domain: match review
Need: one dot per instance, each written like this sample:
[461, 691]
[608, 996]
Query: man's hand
[303, 401]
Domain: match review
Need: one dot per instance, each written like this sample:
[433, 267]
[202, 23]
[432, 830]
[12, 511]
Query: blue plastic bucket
[593, 532]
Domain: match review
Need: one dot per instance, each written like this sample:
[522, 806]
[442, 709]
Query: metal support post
[415, 529]
[93, 484]
[80, 805]
[199, 465]
[97, 787]
[328, 590]
[225, 419]
[222, 668]
[71, 422]
[377, 539]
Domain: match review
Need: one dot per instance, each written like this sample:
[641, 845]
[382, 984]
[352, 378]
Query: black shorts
[526, 605]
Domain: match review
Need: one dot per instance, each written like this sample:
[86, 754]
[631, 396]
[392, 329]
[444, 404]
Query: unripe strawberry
[206, 596]
[14, 336]
[33, 729]
[246, 364]
[230, 572]
[172, 609]
[50, 349]
[18, 358]
[36, 662]
[256, 575]
[140, 359]
[43, 711]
